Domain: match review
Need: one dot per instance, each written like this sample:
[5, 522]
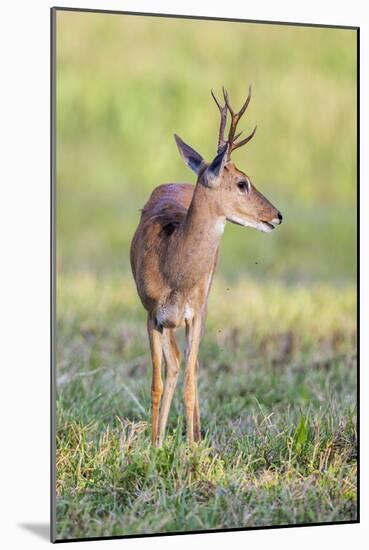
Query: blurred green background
[278, 361]
[125, 84]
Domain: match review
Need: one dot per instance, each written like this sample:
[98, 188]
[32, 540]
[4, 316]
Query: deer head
[235, 197]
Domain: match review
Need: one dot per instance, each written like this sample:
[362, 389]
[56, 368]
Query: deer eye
[243, 185]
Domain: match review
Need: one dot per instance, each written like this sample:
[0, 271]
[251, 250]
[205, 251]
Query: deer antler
[223, 121]
[235, 118]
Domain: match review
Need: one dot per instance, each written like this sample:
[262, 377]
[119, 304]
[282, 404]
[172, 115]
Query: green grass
[278, 409]
[122, 93]
[278, 360]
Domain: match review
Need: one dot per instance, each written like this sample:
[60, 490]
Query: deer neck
[198, 239]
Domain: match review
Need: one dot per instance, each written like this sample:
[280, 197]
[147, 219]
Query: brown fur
[174, 249]
[165, 264]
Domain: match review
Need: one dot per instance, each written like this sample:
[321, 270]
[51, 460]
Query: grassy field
[278, 360]
[278, 409]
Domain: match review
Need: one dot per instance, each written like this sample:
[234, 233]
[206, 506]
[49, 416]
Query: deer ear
[214, 170]
[189, 155]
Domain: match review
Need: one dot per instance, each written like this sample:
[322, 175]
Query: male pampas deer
[174, 254]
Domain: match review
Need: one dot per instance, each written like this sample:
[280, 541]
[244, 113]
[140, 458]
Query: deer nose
[280, 217]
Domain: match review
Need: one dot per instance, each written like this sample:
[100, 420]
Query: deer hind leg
[155, 339]
[193, 330]
[196, 412]
[172, 361]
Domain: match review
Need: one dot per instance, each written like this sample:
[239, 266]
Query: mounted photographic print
[204, 274]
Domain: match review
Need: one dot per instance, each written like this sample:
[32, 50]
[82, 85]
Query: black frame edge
[52, 274]
[204, 17]
[210, 531]
[358, 263]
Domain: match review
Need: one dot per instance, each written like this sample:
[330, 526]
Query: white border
[24, 220]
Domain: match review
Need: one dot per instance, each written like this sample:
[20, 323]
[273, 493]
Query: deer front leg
[196, 412]
[157, 384]
[193, 330]
[172, 360]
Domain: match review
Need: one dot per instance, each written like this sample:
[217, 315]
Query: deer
[174, 254]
